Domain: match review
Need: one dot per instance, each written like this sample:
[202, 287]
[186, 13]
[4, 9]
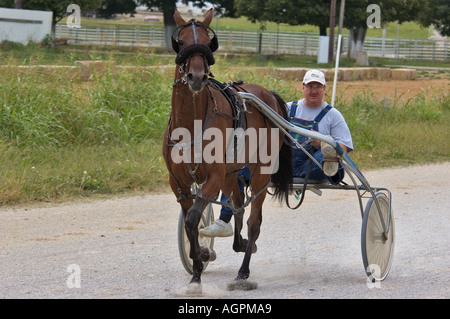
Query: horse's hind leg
[254, 226]
[239, 244]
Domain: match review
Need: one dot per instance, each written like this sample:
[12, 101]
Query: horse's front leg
[198, 254]
[238, 201]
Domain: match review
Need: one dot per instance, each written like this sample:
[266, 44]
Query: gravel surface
[127, 247]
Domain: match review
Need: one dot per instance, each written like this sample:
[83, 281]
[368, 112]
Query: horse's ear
[178, 19]
[208, 17]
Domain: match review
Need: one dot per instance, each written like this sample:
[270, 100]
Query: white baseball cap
[314, 76]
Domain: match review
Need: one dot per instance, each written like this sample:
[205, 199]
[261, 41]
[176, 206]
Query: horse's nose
[196, 77]
[196, 81]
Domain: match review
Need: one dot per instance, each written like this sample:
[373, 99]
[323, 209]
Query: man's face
[313, 92]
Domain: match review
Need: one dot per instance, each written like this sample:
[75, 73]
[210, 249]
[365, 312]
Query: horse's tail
[282, 178]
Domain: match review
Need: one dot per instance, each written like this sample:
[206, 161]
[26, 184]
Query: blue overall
[301, 161]
[245, 173]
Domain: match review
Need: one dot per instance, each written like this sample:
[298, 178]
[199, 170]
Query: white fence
[269, 42]
[112, 36]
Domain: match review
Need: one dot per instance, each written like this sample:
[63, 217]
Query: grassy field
[32, 54]
[62, 138]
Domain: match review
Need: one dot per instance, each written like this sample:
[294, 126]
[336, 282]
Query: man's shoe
[218, 229]
[330, 163]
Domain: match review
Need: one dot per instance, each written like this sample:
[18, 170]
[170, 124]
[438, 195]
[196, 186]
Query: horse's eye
[180, 42]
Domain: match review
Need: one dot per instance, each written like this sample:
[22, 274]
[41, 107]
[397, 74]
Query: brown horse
[197, 139]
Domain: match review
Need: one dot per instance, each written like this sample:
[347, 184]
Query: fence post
[260, 42]
[415, 49]
[114, 36]
[445, 49]
[434, 49]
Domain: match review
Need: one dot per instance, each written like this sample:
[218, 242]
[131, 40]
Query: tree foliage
[111, 7]
[300, 12]
[293, 12]
[436, 13]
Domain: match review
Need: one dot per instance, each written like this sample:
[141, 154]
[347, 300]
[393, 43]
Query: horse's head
[194, 47]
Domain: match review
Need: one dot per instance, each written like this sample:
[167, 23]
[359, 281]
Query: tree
[390, 10]
[168, 7]
[111, 7]
[436, 13]
[298, 12]
[293, 12]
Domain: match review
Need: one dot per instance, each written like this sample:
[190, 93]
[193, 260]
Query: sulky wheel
[377, 247]
[183, 242]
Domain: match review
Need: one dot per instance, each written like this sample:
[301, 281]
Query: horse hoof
[194, 288]
[212, 255]
[207, 254]
[243, 247]
[242, 284]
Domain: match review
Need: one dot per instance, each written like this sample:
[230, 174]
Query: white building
[19, 25]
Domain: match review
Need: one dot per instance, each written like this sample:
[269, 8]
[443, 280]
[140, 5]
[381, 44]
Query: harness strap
[229, 205]
[318, 118]
[322, 113]
[293, 109]
[235, 103]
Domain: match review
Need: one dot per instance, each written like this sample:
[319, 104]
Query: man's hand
[316, 143]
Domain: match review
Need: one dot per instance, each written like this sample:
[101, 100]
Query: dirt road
[127, 247]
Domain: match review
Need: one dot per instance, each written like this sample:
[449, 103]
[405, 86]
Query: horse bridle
[196, 48]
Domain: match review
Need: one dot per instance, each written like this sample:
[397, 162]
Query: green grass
[50, 173]
[32, 54]
[61, 138]
[394, 131]
[54, 128]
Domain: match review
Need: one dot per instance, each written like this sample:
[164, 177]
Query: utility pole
[341, 21]
[332, 24]
[341, 16]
